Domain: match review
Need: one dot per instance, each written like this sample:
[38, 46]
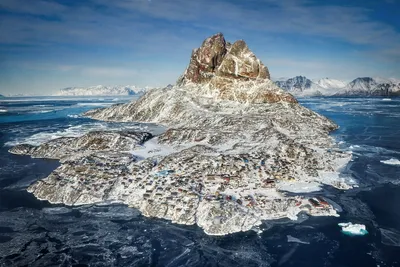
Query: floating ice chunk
[73, 116]
[296, 240]
[386, 99]
[56, 210]
[391, 161]
[353, 229]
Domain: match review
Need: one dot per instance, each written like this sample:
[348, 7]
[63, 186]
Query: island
[237, 150]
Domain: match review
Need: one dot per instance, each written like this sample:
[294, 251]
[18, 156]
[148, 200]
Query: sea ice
[296, 240]
[390, 237]
[353, 229]
[391, 161]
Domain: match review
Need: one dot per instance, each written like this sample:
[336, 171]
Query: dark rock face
[206, 59]
[217, 58]
[231, 72]
[298, 83]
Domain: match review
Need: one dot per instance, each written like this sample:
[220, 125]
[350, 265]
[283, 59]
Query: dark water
[36, 233]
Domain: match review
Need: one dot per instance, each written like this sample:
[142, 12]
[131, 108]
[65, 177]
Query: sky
[47, 45]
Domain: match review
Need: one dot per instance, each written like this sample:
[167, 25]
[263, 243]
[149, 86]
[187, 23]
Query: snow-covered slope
[101, 90]
[367, 86]
[330, 84]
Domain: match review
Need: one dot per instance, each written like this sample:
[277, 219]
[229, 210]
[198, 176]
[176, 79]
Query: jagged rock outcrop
[217, 58]
[235, 143]
[229, 71]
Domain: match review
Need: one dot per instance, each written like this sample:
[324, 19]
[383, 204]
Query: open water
[36, 233]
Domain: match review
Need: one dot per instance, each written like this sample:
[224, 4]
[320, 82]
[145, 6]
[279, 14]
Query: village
[246, 181]
[183, 185]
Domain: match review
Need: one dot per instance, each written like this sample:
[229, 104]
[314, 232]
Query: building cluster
[246, 181]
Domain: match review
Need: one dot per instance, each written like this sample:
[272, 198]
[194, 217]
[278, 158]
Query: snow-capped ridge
[302, 86]
[361, 86]
[101, 90]
[368, 86]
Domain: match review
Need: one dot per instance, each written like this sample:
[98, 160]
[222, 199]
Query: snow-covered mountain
[302, 86]
[101, 90]
[295, 85]
[365, 86]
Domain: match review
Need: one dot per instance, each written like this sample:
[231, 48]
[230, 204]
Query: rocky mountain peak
[217, 58]
[230, 72]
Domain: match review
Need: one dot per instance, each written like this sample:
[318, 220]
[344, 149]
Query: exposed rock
[205, 60]
[229, 72]
[216, 58]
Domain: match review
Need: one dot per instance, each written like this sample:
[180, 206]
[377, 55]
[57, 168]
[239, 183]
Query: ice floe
[391, 161]
[75, 116]
[353, 229]
[296, 240]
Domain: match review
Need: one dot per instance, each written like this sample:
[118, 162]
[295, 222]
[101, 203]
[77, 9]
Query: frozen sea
[36, 233]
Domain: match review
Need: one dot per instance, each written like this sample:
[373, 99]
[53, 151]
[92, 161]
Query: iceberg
[353, 229]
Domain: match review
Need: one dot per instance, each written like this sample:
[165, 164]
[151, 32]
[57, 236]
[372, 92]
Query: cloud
[121, 21]
[108, 72]
[118, 39]
[352, 24]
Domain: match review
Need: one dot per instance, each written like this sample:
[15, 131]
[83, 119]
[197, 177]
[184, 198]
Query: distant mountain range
[365, 86]
[101, 90]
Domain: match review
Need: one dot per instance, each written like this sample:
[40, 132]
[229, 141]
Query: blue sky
[47, 45]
